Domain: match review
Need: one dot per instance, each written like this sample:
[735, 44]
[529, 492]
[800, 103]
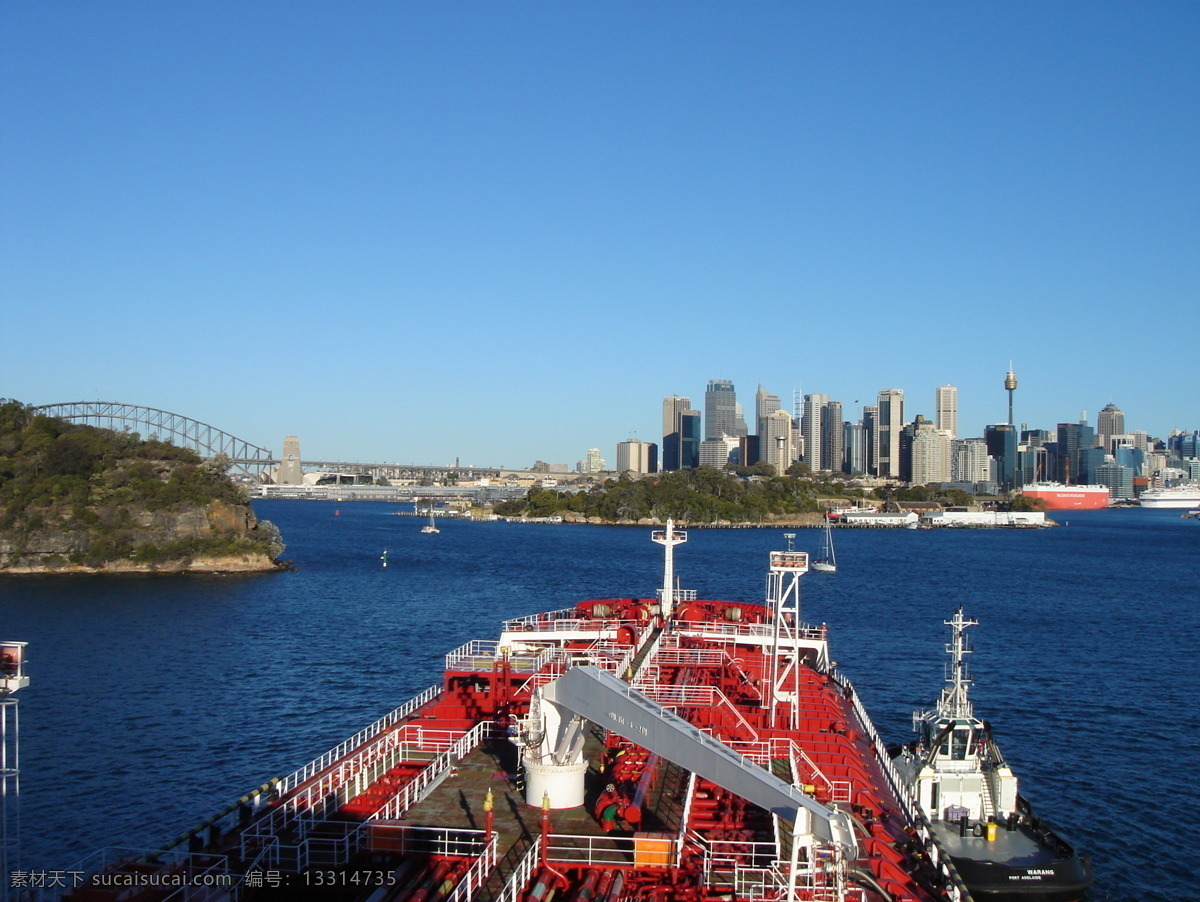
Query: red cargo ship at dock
[663, 749]
[1060, 497]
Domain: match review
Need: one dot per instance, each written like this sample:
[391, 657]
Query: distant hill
[81, 499]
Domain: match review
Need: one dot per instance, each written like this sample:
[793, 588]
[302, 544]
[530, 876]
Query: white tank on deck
[563, 783]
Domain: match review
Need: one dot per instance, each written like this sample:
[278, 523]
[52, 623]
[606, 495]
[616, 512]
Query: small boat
[969, 795]
[430, 527]
[827, 561]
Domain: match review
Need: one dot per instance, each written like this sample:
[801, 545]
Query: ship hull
[1062, 880]
[1177, 502]
[1069, 497]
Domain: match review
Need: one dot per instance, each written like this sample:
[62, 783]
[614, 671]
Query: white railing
[530, 620]
[427, 780]
[522, 873]
[696, 697]
[314, 767]
[475, 650]
[477, 875]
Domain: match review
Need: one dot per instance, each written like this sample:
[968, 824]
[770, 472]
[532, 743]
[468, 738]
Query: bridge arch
[184, 432]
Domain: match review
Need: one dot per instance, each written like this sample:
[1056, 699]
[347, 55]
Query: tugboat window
[961, 742]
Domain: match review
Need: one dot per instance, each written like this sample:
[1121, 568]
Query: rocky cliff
[216, 537]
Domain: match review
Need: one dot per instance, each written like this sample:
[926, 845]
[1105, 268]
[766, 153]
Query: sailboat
[429, 527]
[827, 562]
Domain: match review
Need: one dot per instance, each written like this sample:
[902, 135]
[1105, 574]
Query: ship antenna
[668, 538]
[956, 703]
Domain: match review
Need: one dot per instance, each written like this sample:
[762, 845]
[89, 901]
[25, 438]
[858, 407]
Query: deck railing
[522, 873]
[314, 767]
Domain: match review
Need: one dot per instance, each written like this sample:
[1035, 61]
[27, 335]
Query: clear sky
[503, 232]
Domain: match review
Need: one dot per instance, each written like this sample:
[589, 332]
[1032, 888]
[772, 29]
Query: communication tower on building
[1010, 385]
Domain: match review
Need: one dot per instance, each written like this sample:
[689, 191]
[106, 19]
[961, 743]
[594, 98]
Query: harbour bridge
[208, 441]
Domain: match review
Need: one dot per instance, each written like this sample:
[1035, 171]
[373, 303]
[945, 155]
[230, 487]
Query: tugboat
[969, 795]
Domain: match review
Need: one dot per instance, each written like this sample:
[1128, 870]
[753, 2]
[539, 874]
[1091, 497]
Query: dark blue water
[157, 700]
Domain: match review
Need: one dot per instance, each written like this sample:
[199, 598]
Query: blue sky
[502, 232]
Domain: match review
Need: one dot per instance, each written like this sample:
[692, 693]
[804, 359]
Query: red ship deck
[399, 812]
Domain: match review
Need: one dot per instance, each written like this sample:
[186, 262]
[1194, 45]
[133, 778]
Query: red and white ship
[1060, 497]
[662, 749]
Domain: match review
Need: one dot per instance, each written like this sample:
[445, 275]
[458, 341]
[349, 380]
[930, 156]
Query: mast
[955, 703]
[668, 538]
[783, 598]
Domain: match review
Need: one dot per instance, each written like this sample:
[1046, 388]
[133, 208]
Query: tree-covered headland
[707, 495]
[80, 497]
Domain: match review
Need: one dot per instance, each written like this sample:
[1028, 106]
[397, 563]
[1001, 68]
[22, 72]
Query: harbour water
[156, 701]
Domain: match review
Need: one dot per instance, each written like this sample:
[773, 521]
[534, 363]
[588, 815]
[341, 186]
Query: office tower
[870, 424]
[854, 437]
[717, 452]
[775, 442]
[930, 453]
[891, 421]
[765, 404]
[833, 445]
[674, 408]
[689, 440]
[1002, 448]
[637, 457]
[1109, 422]
[720, 410]
[814, 412]
[945, 415]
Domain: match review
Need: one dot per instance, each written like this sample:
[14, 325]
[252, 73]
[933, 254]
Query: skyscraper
[930, 454]
[674, 408]
[833, 441]
[1109, 422]
[765, 404]
[870, 424]
[720, 410]
[891, 421]
[814, 414]
[945, 417]
[775, 442]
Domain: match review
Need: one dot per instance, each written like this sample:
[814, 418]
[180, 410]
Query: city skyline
[499, 235]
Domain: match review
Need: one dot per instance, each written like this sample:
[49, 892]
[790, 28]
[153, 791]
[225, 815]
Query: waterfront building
[930, 454]
[1118, 478]
[969, 461]
[891, 422]
[945, 415]
[775, 442]
[637, 457]
[721, 415]
[1109, 422]
[814, 411]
